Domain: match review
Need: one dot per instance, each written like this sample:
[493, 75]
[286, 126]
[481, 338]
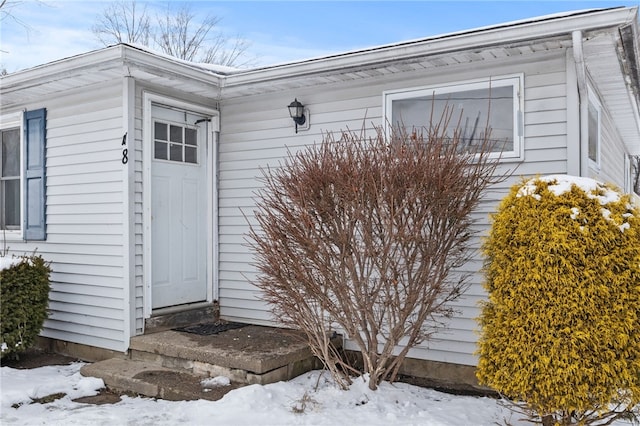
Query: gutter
[583, 97]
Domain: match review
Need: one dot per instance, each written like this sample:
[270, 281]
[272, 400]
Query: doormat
[210, 329]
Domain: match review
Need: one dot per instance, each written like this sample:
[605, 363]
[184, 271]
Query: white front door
[178, 207]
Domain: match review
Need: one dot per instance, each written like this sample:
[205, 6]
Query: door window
[174, 142]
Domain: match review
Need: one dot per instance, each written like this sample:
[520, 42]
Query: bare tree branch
[178, 33]
[230, 52]
[123, 22]
[7, 11]
[181, 36]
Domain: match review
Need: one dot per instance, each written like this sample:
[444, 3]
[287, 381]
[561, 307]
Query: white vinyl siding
[84, 218]
[256, 132]
[136, 144]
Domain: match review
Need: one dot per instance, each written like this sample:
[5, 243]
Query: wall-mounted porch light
[297, 113]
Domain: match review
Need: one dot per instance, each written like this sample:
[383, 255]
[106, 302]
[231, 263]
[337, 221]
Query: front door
[178, 207]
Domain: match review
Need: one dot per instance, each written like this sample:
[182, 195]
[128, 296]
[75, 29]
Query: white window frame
[595, 102]
[516, 81]
[10, 121]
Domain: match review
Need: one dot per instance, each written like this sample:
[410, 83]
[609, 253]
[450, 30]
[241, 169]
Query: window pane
[593, 133]
[190, 136]
[175, 153]
[11, 201]
[472, 112]
[11, 152]
[160, 150]
[175, 134]
[160, 131]
[190, 154]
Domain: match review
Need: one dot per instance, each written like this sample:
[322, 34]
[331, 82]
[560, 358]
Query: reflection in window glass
[190, 136]
[10, 179]
[160, 150]
[11, 190]
[175, 133]
[175, 152]
[472, 111]
[160, 131]
[190, 154]
[10, 153]
[594, 135]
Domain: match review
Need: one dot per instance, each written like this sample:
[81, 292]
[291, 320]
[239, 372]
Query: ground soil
[34, 358]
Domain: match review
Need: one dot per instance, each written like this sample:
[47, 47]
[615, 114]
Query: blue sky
[279, 31]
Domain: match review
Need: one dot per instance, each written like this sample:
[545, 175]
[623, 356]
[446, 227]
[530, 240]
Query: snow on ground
[274, 404]
[311, 399]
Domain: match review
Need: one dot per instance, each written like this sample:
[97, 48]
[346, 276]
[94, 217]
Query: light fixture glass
[296, 111]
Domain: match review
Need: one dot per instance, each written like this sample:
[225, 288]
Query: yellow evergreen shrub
[560, 330]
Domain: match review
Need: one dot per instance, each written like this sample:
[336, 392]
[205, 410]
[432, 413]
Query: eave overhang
[524, 33]
[100, 66]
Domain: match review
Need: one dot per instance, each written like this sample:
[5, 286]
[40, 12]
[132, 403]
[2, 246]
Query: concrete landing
[159, 363]
[252, 354]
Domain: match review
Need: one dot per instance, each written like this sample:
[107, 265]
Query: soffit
[395, 66]
[82, 72]
[605, 62]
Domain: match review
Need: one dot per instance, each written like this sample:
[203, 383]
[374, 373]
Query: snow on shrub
[560, 328]
[24, 288]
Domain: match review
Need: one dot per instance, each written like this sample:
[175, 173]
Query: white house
[130, 171]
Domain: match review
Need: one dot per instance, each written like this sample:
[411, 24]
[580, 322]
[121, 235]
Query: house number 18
[125, 159]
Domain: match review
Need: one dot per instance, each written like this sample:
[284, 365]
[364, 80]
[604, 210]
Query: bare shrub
[363, 235]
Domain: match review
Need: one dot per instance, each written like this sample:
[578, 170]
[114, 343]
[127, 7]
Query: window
[22, 175]
[175, 142]
[475, 106]
[10, 179]
[632, 173]
[594, 130]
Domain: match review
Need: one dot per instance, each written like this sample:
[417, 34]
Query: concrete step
[172, 364]
[251, 354]
[138, 377]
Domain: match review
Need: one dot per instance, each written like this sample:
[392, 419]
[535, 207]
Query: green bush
[560, 329]
[25, 296]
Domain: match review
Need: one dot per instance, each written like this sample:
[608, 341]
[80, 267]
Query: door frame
[149, 98]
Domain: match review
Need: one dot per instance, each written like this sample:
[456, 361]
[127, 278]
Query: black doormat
[210, 329]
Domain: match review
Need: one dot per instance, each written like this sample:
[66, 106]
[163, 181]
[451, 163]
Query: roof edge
[543, 27]
[119, 55]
